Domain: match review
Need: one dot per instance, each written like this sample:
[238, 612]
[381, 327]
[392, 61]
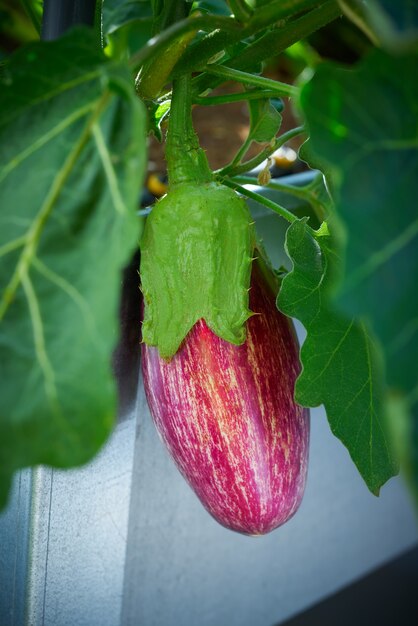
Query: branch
[281, 89]
[235, 170]
[199, 54]
[261, 200]
[157, 44]
[234, 97]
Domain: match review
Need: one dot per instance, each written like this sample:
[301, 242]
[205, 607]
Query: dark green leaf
[157, 113]
[123, 42]
[217, 7]
[34, 10]
[372, 153]
[342, 366]
[265, 120]
[118, 13]
[71, 165]
[393, 23]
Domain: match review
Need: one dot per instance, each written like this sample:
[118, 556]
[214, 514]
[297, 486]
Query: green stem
[357, 14]
[155, 73]
[34, 16]
[241, 10]
[234, 170]
[204, 22]
[186, 161]
[242, 151]
[234, 97]
[275, 41]
[270, 13]
[172, 11]
[281, 89]
[270, 44]
[265, 17]
[298, 192]
[261, 200]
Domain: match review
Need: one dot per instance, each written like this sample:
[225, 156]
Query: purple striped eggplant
[227, 416]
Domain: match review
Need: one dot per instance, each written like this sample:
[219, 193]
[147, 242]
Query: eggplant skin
[227, 416]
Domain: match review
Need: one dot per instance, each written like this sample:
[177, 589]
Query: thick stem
[158, 44]
[186, 161]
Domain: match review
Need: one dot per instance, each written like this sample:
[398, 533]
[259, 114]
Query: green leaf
[342, 366]
[394, 24]
[157, 113]
[216, 7]
[196, 263]
[71, 164]
[372, 154]
[118, 13]
[265, 121]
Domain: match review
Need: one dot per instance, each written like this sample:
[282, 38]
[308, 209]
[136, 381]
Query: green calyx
[196, 256]
[197, 247]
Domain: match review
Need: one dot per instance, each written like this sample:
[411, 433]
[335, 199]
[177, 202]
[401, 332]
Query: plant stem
[271, 12]
[186, 161]
[270, 44]
[241, 10]
[242, 151]
[172, 11]
[234, 170]
[275, 41]
[159, 43]
[234, 97]
[357, 14]
[261, 200]
[265, 17]
[34, 17]
[281, 89]
[298, 192]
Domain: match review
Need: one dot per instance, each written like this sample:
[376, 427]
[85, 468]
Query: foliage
[339, 354]
[71, 164]
[366, 150]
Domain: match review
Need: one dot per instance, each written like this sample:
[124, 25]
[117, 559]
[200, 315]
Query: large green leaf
[118, 13]
[71, 165]
[342, 366]
[372, 154]
[393, 23]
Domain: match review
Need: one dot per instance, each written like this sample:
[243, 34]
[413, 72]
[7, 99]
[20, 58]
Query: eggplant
[228, 418]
